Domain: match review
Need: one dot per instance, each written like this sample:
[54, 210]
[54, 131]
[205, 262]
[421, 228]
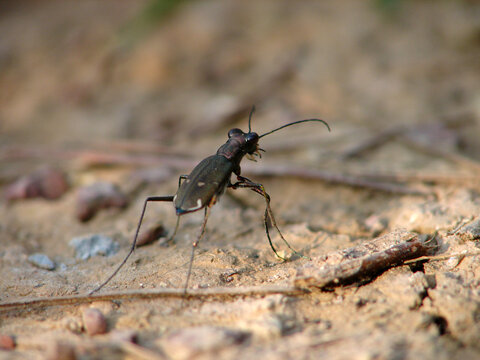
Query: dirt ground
[135, 93]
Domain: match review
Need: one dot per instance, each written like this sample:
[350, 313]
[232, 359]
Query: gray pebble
[41, 261]
[91, 245]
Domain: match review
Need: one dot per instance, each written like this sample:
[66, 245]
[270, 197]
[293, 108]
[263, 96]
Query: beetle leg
[132, 249]
[170, 238]
[259, 189]
[195, 243]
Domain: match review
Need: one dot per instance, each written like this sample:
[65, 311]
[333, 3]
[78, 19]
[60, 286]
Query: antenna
[293, 123]
[250, 119]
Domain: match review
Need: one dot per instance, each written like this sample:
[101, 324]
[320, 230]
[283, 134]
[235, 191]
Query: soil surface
[133, 94]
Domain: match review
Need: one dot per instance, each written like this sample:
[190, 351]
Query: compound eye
[234, 132]
[252, 137]
[251, 141]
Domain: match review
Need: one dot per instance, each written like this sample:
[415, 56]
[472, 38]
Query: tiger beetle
[209, 179]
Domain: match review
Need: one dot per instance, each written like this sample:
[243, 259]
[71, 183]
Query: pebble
[151, 234]
[47, 183]
[94, 322]
[41, 261]
[7, 342]
[100, 195]
[91, 245]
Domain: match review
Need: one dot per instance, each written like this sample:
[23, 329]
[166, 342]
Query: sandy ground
[106, 92]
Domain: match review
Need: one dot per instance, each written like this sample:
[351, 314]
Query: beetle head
[248, 141]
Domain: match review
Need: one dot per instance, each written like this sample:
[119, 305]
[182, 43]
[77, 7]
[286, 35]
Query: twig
[364, 268]
[453, 156]
[147, 294]
[333, 178]
[460, 225]
[372, 142]
[421, 177]
[464, 116]
[97, 158]
[103, 158]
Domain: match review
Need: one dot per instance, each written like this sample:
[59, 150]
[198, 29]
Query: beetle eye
[234, 132]
[251, 137]
[251, 141]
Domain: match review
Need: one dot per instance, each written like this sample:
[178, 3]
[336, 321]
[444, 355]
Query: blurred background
[162, 71]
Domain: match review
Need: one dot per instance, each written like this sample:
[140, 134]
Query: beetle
[209, 180]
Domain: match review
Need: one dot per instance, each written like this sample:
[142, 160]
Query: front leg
[244, 182]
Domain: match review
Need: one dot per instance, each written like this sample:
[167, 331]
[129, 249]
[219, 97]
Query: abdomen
[208, 179]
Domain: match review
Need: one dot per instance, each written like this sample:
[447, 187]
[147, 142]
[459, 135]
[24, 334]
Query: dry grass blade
[146, 294]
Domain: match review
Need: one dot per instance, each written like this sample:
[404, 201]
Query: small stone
[7, 342]
[41, 261]
[91, 245]
[151, 234]
[47, 183]
[101, 195]
[94, 322]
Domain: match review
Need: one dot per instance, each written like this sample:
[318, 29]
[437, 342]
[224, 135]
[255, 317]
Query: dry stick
[93, 158]
[445, 154]
[13, 152]
[402, 131]
[98, 158]
[460, 225]
[372, 142]
[316, 174]
[345, 273]
[367, 267]
[455, 118]
[149, 294]
[421, 177]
